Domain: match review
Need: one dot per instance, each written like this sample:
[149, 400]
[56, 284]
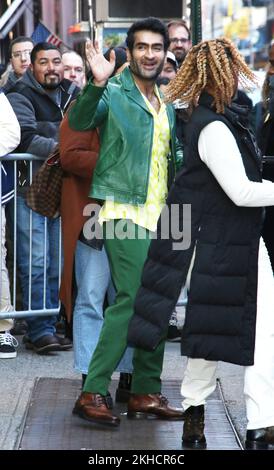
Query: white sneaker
[173, 319]
[7, 345]
[173, 333]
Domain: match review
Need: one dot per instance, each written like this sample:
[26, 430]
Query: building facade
[75, 20]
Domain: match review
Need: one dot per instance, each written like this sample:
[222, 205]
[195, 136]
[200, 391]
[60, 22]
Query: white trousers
[199, 379]
[5, 301]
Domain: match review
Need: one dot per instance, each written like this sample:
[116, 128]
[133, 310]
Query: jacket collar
[131, 88]
[238, 116]
[28, 79]
[68, 89]
[235, 113]
[127, 81]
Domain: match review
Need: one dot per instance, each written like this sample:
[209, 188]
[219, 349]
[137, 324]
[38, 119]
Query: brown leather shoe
[193, 434]
[93, 407]
[153, 405]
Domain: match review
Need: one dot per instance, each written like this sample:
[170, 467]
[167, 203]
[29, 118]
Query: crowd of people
[152, 124]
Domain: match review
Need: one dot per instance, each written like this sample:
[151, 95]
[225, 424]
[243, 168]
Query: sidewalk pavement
[18, 376]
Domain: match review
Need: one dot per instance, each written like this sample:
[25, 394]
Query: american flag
[42, 34]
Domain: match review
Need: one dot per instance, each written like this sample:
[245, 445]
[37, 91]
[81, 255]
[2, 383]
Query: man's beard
[181, 57]
[51, 85]
[136, 70]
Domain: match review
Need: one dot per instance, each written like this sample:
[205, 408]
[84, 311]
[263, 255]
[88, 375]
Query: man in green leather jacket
[138, 158]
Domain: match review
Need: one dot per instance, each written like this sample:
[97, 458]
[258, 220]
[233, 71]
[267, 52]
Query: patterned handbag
[44, 194]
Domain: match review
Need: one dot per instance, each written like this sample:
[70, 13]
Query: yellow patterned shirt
[147, 215]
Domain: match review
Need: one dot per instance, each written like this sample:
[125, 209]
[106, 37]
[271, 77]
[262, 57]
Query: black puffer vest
[221, 311]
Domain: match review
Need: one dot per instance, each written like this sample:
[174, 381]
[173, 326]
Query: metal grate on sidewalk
[50, 425]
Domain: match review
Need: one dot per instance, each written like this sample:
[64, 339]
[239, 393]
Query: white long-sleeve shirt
[218, 149]
[10, 133]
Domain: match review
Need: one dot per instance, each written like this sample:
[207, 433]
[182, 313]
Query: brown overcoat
[79, 152]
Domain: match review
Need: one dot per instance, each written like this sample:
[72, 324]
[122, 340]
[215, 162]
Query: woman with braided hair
[216, 65]
[229, 315]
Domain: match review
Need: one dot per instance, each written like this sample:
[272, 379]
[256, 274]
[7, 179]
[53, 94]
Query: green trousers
[126, 259]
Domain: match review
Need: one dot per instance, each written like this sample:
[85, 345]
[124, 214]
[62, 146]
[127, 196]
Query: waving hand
[100, 67]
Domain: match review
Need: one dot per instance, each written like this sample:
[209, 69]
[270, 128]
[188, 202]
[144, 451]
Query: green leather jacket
[126, 136]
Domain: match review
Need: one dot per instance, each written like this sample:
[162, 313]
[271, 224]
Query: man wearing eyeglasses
[19, 53]
[179, 36]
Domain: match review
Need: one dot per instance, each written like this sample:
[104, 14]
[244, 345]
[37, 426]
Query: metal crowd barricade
[182, 301]
[29, 158]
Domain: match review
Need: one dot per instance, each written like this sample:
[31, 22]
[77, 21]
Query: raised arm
[92, 105]
[100, 67]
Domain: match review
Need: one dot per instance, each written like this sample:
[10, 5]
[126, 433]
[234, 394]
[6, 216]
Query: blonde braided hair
[210, 66]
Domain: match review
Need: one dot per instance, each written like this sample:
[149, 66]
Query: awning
[11, 16]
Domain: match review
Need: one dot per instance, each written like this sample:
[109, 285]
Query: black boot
[193, 434]
[123, 390]
[260, 439]
[84, 376]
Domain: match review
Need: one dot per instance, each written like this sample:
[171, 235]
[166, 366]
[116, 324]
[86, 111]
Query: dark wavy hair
[147, 24]
[42, 46]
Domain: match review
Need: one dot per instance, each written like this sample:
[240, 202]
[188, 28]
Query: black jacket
[221, 311]
[11, 81]
[39, 115]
